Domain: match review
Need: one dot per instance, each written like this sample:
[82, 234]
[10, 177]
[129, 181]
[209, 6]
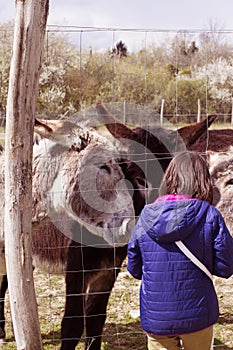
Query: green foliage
[175, 71]
[60, 59]
[182, 95]
[6, 37]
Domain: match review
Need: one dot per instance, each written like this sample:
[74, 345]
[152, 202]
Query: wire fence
[122, 328]
[188, 55]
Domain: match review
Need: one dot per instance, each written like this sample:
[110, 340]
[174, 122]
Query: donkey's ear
[116, 128]
[42, 128]
[191, 133]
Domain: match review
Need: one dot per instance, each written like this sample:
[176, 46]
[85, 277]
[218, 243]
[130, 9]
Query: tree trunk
[30, 25]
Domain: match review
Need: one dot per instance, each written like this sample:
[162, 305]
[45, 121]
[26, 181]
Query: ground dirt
[122, 329]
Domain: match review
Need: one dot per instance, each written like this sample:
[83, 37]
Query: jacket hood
[173, 217]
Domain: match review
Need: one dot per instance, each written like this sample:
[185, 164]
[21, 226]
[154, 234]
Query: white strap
[192, 257]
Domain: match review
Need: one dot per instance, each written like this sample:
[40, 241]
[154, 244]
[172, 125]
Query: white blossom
[219, 77]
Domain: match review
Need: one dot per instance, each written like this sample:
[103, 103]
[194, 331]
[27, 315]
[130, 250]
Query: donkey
[221, 169]
[79, 197]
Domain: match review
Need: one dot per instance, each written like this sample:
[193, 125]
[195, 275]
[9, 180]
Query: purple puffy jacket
[176, 297]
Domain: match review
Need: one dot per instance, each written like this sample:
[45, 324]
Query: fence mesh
[132, 93]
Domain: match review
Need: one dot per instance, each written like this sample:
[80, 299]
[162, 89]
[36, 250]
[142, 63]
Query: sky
[129, 16]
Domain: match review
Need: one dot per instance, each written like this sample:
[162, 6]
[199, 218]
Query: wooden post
[30, 25]
[161, 111]
[124, 112]
[198, 110]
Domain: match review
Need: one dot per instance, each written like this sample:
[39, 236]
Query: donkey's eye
[104, 167]
[142, 182]
[229, 182]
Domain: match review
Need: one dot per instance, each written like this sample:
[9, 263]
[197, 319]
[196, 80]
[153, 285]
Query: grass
[122, 330]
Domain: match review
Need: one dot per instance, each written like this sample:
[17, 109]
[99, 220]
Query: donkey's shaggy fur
[79, 198]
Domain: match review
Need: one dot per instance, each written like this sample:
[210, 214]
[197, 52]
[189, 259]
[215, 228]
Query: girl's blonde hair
[188, 173]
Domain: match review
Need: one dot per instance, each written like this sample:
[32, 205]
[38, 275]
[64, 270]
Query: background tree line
[181, 71]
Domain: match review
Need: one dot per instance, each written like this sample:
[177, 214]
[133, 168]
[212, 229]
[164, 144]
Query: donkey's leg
[96, 306]
[73, 320]
[100, 284]
[3, 289]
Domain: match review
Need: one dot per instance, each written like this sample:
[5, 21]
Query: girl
[178, 301]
